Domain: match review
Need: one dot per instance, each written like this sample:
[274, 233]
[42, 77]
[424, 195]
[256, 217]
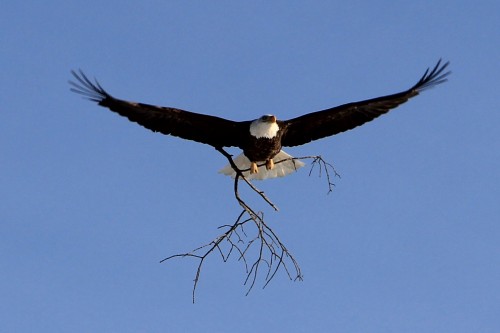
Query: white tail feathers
[280, 169]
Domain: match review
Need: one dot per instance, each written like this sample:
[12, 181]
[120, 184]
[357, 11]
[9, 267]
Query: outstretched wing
[215, 131]
[317, 125]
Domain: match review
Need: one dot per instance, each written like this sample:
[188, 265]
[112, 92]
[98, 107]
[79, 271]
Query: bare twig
[270, 249]
[323, 165]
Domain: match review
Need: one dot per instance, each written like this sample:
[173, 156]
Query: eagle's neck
[262, 129]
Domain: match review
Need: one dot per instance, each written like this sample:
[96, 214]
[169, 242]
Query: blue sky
[407, 242]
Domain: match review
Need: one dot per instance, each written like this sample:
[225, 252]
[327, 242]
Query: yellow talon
[254, 168]
[269, 164]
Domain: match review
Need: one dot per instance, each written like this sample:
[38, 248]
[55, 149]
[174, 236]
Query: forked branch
[264, 246]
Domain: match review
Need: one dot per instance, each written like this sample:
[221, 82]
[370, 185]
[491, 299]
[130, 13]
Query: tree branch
[271, 250]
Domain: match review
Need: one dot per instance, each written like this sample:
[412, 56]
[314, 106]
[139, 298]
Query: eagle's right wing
[211, 130]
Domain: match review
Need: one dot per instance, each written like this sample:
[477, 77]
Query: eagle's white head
[264, 127]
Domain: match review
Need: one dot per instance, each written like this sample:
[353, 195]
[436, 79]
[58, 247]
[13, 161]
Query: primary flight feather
[262, 139]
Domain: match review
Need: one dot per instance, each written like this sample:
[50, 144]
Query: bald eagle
[261, 140]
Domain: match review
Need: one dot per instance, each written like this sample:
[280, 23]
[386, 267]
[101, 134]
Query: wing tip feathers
[88, 89]
[433, 77]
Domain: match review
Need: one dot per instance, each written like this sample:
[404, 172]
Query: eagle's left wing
[215, 131]
[317, 125]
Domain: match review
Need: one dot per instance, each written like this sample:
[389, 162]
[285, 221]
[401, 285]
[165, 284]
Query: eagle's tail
[280, 169]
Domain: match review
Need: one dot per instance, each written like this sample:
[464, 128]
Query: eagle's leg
[254, 168]
[269, 164]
